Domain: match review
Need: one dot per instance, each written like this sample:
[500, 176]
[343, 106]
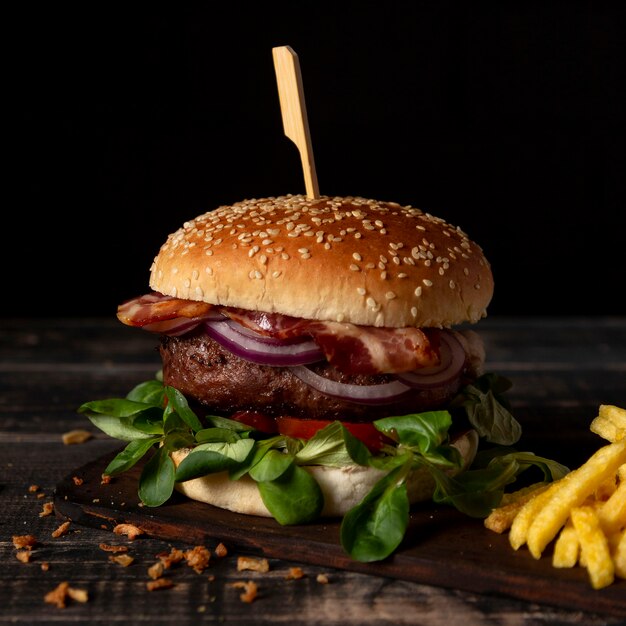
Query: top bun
[344, 259]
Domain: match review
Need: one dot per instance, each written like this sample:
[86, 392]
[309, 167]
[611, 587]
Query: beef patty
[223, 383]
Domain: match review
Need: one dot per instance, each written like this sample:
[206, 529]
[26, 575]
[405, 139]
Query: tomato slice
[256, 420]
[302, 428]
[305, 429]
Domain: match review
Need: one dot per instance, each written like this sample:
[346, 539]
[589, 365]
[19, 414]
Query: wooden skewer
[293, 108]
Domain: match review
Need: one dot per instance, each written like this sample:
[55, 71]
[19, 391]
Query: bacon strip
[348, 347]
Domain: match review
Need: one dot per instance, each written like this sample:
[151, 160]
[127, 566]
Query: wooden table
[562, 370]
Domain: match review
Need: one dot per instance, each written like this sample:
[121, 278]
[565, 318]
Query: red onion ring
[452, 360]
[259, 350]
[385, 393]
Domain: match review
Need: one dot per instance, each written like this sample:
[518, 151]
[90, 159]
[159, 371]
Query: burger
[318, 360]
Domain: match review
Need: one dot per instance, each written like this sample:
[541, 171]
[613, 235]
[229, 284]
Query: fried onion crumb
[59, 595]
[294, 573]
[76, 436]
[24, 541]
[198, 558]
[221, 550]
[253, 564]
[159, 583]
[46, 509]
[129, 530]
[121, 559]
[23, 556]
[250, 588]
[61, 530]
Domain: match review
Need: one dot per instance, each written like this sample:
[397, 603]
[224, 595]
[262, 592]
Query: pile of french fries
[584, 512]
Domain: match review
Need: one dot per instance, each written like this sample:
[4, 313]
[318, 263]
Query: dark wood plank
[442, 547]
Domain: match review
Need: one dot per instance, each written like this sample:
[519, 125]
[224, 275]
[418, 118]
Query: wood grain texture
[561, 370]
[441, 547]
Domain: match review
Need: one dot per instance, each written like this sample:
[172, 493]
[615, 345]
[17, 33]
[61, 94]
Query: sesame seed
[401, 275]
[414, 311]
[354, 267]
[390, 295]
[194, 275]
[285, 256]
[356, 256]
[452, 284]
[361, 291]
[427, 283]
[276, 274]
[466, 271]
[383, 275]
[208, 270]
[208, 252]
[303, 250]
[306, 255]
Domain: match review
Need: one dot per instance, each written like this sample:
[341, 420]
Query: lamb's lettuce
[374, 528]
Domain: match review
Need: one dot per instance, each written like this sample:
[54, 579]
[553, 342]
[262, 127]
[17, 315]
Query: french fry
[615, 414]
[566, 548]
[612, 513]
[501, 518]
[605, 428]
[523, 520]
[606, 489]
[571, 491]
[610, 423]
[594, 546]
[585, 511]
[619, 556]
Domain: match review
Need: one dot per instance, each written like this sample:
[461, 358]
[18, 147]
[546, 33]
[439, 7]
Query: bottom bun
[342, 488]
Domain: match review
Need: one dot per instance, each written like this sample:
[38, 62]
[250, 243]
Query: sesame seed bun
[342, 488]
[345, 259]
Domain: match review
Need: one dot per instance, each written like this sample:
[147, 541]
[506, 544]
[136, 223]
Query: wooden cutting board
[442, 547]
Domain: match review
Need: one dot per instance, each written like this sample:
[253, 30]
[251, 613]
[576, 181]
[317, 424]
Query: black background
[504, 118]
